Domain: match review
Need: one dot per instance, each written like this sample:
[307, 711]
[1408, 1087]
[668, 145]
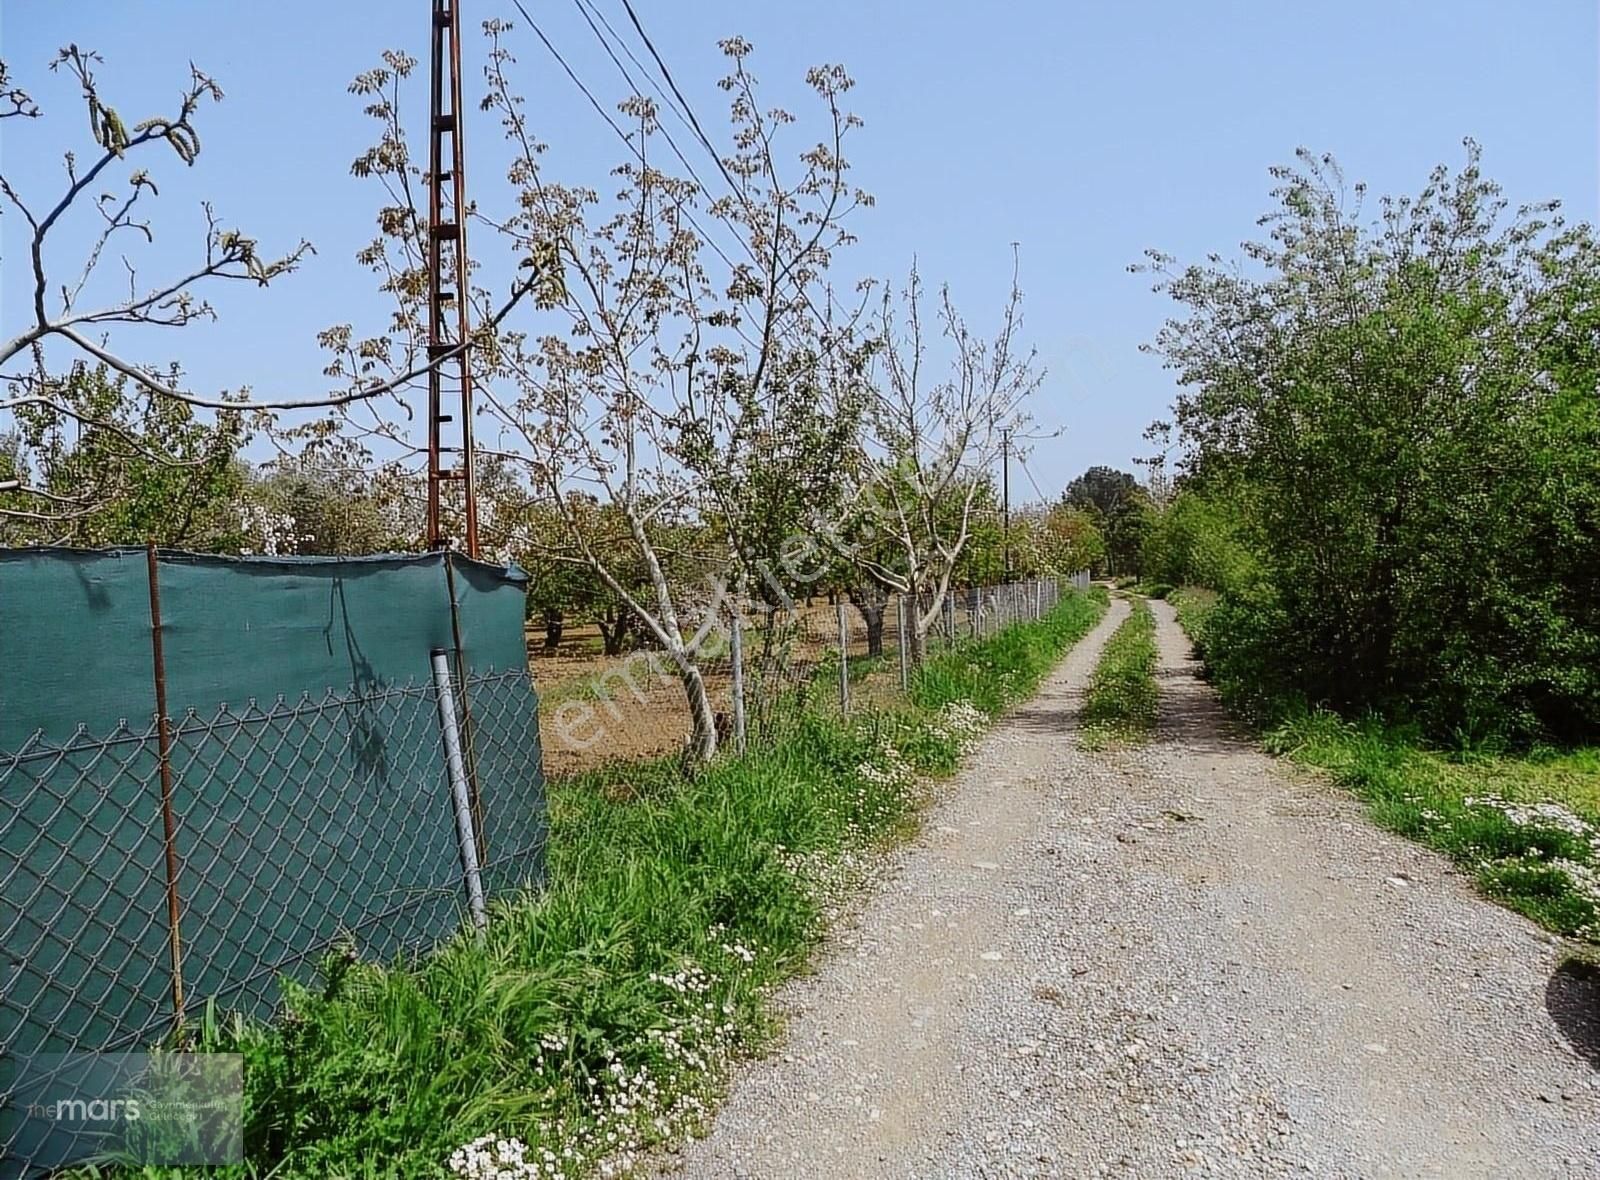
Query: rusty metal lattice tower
[450, 459]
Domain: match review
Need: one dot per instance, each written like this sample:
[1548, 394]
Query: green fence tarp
[309, 792]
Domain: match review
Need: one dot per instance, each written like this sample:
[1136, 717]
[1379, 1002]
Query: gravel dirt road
[1178, 960]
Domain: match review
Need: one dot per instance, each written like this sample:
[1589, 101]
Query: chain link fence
[148, 870]
[297, 828]
[761, 663]
[202, 856]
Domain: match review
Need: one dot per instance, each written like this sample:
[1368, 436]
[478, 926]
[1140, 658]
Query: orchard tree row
[683, 390]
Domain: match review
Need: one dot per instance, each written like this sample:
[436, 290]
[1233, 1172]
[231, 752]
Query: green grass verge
[1121, 703]
[601, 1015]
[1526, 826]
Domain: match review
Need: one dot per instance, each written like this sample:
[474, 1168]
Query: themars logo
[81, 1110]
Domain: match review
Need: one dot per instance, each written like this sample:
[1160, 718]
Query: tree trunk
[615, 636]
[703, 736]
[916, 639]
[872, 615]
[554, 623]
[874, 620]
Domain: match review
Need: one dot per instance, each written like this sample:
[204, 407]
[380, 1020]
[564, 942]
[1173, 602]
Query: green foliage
[119, 467]
[564, 589]
[1122, 699]
[1392, 434]
[783, 459]
[305, 506]
[723, 877]
[1120, 511]
[1196, 540]
[1248, 643]
[1001, 670]
[1046, 541]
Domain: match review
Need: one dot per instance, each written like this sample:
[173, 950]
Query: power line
[666, 100]
[585, 7]
[576, 81]
[584, 10]
[1043, 499]
[689, 110]
[620, 133]
[705, 140]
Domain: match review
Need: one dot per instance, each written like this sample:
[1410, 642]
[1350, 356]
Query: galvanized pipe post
[736, 653]
[457, 772]
[905, 655]
[469, 747]
[844, 661]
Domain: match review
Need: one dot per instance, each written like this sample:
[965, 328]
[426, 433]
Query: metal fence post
[169, 825]
[900, 630]
[469, 748]
[736, 653]
[950, 617]
[844, 660]
[458, 787]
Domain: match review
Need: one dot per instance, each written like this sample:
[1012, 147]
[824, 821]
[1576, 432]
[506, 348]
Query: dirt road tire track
[1179, 960]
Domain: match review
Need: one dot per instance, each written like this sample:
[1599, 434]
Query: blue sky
[1086, 132]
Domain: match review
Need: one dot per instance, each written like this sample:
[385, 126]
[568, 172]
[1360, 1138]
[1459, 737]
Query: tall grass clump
[1121, 703]
[600, 1015]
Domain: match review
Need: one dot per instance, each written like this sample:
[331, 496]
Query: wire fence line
[148, 870]
[210, 849]
[759, 662]
[301, 827]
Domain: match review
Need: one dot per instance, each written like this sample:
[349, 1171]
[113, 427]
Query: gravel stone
[1241, 989]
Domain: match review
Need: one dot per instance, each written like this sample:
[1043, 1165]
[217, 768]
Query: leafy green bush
[1197, 541]
[1246, 640]
[1390, 431]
